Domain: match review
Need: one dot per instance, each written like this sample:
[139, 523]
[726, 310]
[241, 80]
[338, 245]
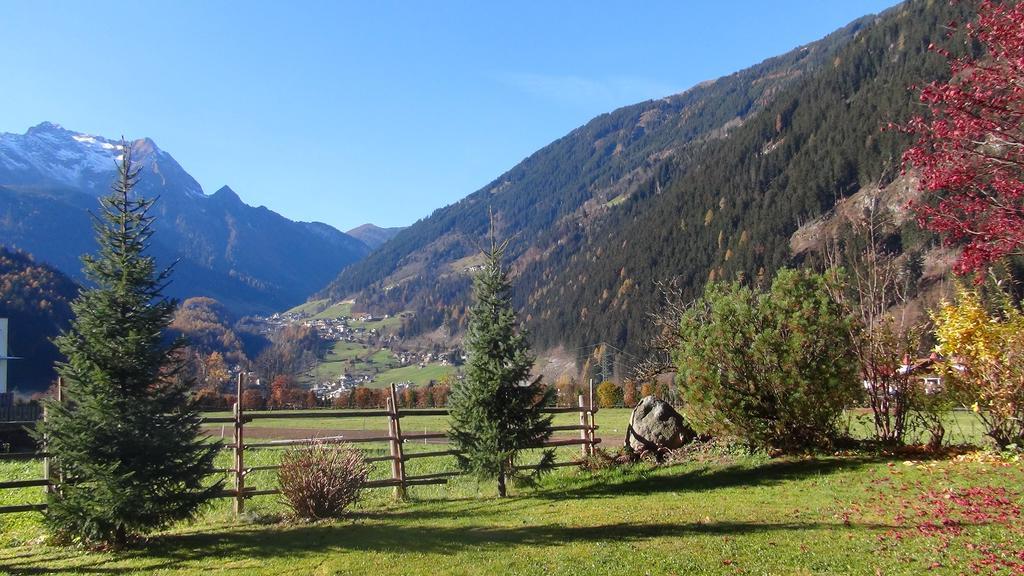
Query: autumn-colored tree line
[36, 298]
[219, 349]
[430, 396]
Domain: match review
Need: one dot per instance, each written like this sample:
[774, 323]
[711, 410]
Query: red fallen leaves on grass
[928, 504]
[996, 558]
[944, 515]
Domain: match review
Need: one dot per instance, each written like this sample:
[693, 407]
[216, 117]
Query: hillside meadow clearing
[709, 511]
[381, 364]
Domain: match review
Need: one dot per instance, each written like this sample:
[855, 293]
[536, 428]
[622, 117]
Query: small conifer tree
[126, 438]
[496, 409]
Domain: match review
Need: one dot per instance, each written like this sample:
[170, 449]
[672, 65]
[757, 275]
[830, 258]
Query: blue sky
[375, 111]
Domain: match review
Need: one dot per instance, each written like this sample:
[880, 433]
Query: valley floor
[712, 514]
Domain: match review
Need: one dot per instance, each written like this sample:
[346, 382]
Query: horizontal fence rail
[394, 438]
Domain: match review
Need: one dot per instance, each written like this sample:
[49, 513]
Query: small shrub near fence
[321, 481]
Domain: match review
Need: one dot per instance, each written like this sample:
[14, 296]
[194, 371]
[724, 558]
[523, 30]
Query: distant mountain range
[710, 183]
[252, 260]
[374, 236]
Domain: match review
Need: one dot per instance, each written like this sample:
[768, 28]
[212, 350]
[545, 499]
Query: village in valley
[365, 351]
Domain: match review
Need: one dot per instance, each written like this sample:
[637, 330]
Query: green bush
[321, 481]
[773, 368]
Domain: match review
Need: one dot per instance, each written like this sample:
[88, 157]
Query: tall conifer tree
[496, 409]
[126, 438]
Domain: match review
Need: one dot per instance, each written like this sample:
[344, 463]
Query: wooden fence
[394, 438]
[24, 413]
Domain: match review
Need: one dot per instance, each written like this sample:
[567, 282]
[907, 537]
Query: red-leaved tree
[970, 148]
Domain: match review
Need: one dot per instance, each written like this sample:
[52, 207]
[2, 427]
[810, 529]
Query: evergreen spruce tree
[126, 438]
[496, 410]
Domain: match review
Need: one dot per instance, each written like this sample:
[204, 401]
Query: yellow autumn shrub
[983, 344]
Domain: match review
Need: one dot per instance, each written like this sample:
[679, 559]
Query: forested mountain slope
[731, 208]
[569, 184]
[710, 183]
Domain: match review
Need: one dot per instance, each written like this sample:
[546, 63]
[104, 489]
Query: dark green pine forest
[729, 209]
[710, 183]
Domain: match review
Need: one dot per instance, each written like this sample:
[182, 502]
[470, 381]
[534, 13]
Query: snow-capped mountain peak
[50, 153]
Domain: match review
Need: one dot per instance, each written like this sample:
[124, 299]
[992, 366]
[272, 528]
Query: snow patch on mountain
[49, 153]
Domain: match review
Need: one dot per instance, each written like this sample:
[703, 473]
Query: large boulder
[655, 425]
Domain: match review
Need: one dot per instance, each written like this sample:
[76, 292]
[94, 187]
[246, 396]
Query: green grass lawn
[323, 309]
[713, 514]
[20, 528]
[342, 351]
[384, 323]
[309, 308]
[335, 362]
[415, 374]
[337, 310]
[384, 358]
[962, 427]
[616, 201]
[375, 363]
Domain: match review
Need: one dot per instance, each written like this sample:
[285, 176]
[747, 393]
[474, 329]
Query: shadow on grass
[410, 529]
[642, 481]
[298, 543]
[638, 480]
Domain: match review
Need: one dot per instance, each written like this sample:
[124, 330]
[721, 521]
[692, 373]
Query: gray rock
[655, 425]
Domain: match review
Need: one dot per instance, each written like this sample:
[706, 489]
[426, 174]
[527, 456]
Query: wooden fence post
[48, 463]
[47, 473]
[590, 413]
[583, 428]
[239, 448]
[397, 455]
